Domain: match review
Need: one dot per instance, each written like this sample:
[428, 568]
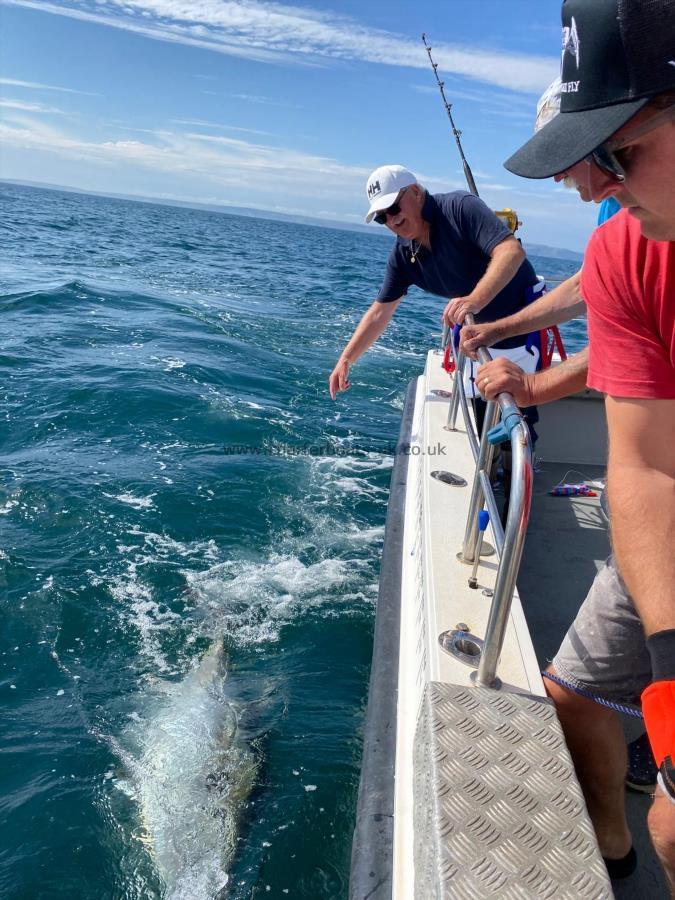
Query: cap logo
[373, 188]
[570, 41]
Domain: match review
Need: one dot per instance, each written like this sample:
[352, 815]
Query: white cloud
[249, 98]
[276, 33]
[232, 162]
[13, 82]
[223, 161]
[492, 102]
[30, 107]
[200, 123]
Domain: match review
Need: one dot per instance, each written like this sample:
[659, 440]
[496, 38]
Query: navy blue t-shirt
[463, 232]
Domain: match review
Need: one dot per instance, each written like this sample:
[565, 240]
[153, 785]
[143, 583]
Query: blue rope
[619, 707]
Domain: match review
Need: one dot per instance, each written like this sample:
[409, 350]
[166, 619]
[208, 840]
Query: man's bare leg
[662, 830]
[598, 748]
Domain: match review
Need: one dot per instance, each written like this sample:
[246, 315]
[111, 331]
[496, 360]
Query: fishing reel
[510, 218]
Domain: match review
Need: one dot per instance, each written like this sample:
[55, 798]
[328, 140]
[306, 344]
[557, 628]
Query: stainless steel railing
[509, 541]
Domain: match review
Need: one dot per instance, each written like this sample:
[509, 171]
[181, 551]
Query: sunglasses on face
[393, 210]
[605, 157]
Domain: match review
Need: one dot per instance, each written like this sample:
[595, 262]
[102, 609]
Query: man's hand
[458, 307]
[471, 337]
[339, 378]
[503, 375]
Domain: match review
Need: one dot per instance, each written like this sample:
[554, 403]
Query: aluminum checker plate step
[498, 811]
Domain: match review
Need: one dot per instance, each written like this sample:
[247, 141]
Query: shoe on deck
[642, 771]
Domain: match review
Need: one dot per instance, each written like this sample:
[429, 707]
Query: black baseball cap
[616, 56]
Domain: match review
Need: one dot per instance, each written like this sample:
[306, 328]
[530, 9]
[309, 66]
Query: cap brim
[383, 202]
[568, 138]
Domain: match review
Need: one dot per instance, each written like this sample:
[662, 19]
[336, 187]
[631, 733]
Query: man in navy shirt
[452, 245]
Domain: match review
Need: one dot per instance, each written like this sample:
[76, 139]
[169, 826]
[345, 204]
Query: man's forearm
[561, 380]
[560, 305]
[371, 326]
[506, 259]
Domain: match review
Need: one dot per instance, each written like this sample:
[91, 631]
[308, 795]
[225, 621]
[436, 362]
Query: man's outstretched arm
[371, 326]
[560, 305]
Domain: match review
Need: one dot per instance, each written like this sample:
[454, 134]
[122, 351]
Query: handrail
[458, 397]
[454, 401]
[478, 494]
[511, 541]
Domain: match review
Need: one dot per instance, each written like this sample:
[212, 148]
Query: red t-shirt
[628, 283]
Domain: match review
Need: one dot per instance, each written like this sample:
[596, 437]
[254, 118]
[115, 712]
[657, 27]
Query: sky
[280, 107]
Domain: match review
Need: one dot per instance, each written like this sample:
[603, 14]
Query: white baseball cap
[384, 186]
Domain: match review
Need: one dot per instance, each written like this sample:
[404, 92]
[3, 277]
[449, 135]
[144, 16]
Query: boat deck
[571, 534]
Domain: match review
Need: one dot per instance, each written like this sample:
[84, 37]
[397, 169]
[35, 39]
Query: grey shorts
[604, 649]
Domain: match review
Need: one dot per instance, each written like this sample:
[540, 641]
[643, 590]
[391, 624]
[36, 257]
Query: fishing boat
[467, 787]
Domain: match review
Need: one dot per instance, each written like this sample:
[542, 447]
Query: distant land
[533, 249]
[553, 252]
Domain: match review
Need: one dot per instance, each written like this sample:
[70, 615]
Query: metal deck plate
[498, 810]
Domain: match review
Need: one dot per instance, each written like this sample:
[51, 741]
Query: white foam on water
[358, 486]
[143, 613]
[365, 535]
[167, 548]
[252, 601]
[8, 507]
[170, 362]
[380, 349]
[131, 500]
[371, 462]
[141, 607]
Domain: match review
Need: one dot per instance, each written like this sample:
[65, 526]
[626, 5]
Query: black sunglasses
[393, 210]
[605, 157]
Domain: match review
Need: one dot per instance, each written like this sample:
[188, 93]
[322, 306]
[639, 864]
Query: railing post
[483, 464]
[445, 336]
[454, 400]
[514, 541]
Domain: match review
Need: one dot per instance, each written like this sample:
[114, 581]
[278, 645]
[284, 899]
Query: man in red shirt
[616, 130]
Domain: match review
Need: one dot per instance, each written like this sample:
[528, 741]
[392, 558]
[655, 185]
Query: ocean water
[190, 534]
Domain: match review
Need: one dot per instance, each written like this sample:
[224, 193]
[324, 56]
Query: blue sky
[281, 107]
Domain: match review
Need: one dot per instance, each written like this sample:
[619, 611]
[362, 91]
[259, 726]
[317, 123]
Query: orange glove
[658, 707]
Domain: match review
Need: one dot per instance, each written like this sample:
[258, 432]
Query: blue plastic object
[483, 519]
[502, 432]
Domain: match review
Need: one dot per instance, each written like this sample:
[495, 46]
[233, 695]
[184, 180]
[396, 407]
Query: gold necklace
[414, 253]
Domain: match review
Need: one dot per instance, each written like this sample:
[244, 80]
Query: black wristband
[661, 647]
[667, 779]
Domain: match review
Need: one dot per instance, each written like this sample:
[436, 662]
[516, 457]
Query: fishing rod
[457, 134]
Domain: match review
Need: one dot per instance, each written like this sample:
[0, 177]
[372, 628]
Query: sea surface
[190, 533]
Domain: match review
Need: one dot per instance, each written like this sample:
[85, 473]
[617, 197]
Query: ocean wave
[57, 295]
